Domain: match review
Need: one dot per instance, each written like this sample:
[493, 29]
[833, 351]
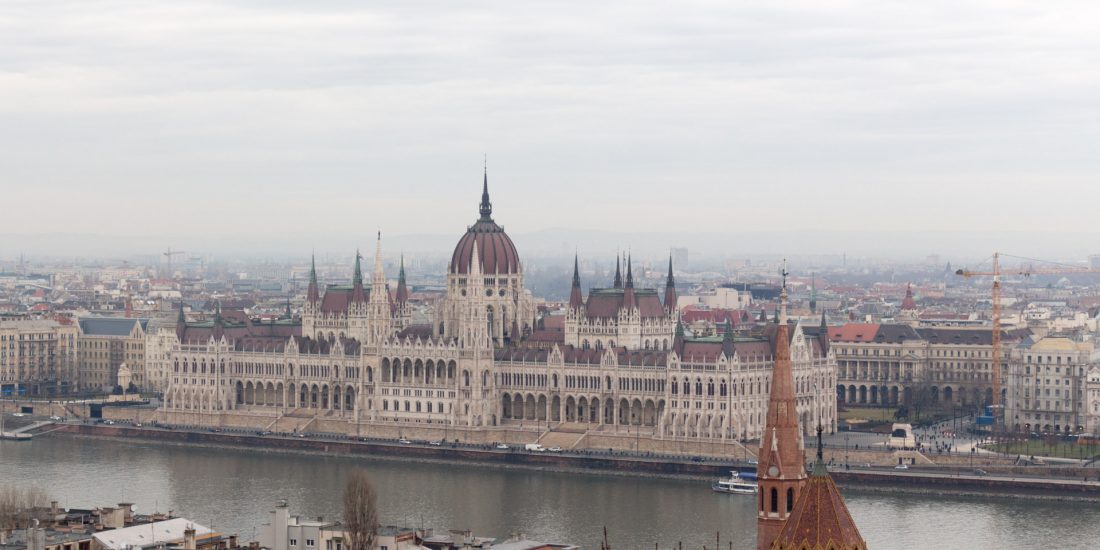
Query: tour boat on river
[739, 483]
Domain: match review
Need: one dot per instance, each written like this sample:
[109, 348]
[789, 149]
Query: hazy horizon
[890, 129]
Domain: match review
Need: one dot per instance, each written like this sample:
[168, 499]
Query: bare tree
[20, 506]
[360, 512]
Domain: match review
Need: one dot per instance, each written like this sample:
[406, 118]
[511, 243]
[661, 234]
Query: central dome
[495, 249]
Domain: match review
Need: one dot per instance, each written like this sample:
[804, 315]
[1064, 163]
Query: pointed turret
[358, 294]
[678, 340]
[823, 335]
[219, 322]
[618, 273]
[780, 470]
[181, 323]
[727, 340]
[313, 294]
[402, 289]
[576, 300]
[629, 272]
[378, 278]
[908, 303]
[288, 314]
[486, 207]
[763, 318]
[813, 293]
[630, 301]
[670, 289]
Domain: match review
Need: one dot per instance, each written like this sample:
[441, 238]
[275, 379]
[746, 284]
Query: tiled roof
[820, 519]
[854, 332]
[969, 336]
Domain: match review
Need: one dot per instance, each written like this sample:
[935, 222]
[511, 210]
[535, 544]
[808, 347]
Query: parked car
[502, 446]
[980, 472]
[901, 467]
[19, 414]
[554, 449]
[56, 418]
[435, 443]
[404, 441]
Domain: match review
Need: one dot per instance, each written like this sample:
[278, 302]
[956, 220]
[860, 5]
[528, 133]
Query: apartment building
[37, 357]
[105, 344]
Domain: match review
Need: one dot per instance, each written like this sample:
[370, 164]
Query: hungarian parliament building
[621, 373]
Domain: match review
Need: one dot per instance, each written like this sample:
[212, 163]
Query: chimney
[54, 508]
[36, 537]
[189, 538]
[127, 512]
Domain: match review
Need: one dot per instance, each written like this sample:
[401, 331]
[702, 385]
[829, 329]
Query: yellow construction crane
[996, 274]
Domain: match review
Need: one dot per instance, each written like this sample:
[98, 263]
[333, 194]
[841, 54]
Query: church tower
[781, 470]
[820, 518]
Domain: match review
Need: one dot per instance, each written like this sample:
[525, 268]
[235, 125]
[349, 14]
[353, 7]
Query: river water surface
[232, 490]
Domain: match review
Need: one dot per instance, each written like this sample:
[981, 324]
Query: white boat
[736, 483]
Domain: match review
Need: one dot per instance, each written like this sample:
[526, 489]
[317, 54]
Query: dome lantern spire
[486, 207]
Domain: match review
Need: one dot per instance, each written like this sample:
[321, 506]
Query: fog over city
[275, 128]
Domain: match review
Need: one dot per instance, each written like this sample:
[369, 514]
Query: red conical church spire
[781, 471]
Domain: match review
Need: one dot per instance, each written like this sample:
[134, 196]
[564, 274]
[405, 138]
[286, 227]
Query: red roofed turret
[909, 303]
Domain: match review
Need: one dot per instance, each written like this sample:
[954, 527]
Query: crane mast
[997, 355]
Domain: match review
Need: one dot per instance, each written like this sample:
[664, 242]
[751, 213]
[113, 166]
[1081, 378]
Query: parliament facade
[620, 374]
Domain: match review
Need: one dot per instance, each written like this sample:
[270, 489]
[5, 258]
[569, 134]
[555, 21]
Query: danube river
[232, 490]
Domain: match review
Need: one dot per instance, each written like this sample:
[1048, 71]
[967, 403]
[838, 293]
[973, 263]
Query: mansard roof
[605, 303]
[242, 331]
[969, 336]
[873, 333]
[110, 326]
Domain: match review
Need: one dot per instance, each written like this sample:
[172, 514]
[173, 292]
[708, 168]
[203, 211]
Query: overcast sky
[341, 117]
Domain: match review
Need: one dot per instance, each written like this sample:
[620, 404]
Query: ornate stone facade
[620, 368]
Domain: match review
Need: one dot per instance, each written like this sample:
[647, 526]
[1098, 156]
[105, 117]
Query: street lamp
[846, 450]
